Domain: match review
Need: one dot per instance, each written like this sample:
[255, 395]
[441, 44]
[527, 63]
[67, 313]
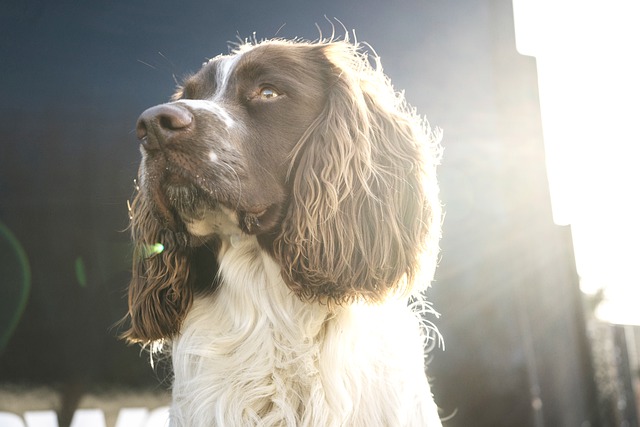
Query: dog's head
[307, 147]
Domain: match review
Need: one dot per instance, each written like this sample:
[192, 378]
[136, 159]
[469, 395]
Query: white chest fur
[254, 354]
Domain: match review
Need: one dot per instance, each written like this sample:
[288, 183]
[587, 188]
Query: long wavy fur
[364, 215]
[160, 291]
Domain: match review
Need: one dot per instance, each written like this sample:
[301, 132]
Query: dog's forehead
[220, 66]
[225, 63]
[213, 74]
[275, 58]
[264, 52]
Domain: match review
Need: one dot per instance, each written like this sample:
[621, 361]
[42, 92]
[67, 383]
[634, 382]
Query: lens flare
[152, 250]
[81, 274]
[16, 277]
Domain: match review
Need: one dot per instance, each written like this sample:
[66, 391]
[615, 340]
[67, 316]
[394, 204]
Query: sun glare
[588, 63]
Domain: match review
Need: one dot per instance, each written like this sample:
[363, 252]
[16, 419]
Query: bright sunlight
[588, 61]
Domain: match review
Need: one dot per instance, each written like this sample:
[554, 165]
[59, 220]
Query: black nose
[161, 124]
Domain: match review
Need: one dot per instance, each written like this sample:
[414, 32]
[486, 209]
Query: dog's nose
[159, 124]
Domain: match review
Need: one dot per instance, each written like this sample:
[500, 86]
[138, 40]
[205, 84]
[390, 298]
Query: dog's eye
[268, 93]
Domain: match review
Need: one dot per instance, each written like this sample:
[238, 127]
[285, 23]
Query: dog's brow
[188, 88]
[203, 82]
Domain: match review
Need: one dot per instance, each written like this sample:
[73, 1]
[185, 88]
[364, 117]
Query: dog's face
[307, 147]
[215, 161]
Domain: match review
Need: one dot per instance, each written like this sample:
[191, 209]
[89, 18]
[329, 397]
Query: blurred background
[537, 287]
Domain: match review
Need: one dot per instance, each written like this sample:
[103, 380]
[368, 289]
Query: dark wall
[75, 76]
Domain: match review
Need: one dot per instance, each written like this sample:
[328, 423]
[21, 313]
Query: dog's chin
[202, 217]
[195, 212]
[210, 221]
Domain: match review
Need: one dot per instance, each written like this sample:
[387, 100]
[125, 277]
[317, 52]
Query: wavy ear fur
[163, 279]
[364, 215]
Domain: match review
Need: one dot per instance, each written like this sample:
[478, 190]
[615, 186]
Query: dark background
[76, 75]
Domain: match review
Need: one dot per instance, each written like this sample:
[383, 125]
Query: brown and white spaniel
[286, 225]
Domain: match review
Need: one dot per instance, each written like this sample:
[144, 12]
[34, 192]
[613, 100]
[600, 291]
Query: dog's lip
[155, 185]
[257, 211]
[164, 211]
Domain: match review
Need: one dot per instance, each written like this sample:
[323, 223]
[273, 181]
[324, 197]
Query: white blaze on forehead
[213, 156]
[225, 68]
[211, 107]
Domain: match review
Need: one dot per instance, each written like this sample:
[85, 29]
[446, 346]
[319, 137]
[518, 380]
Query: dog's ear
[364, 214]
[161, 290]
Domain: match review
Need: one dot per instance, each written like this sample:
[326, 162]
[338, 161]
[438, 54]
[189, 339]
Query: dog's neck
[254, 353]
[247, 346]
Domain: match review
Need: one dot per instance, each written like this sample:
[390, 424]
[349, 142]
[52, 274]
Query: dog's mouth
[185, 204]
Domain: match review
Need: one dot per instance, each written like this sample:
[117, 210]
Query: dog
[286, 225]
